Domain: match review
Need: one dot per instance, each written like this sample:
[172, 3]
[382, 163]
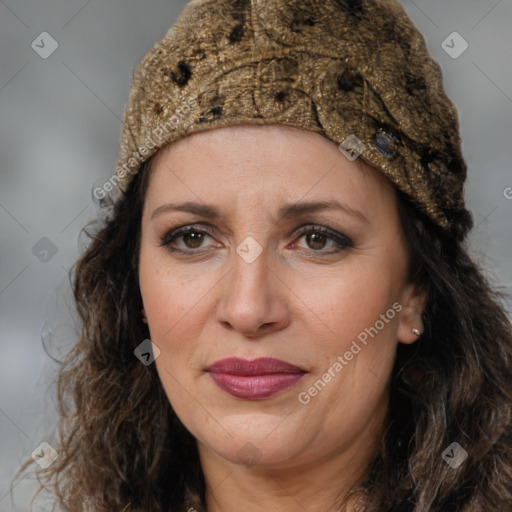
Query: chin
[251, 443]
[254, 453]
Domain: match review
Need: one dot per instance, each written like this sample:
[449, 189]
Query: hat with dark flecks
[356, 71]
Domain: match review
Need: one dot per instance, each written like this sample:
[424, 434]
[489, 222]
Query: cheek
[177, 305]
[171, 297]
[171, 306]
[346, 304]
[353, 326]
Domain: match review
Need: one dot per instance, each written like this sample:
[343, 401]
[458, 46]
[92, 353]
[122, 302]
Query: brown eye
[192, 239]
[316, 240]
[318, 237]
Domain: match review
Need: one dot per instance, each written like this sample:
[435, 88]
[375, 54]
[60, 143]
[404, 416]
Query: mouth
[256, 379]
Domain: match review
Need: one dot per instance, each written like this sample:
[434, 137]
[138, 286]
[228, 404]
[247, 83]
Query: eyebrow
[287, 211]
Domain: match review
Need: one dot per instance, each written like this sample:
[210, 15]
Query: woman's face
[293, 253]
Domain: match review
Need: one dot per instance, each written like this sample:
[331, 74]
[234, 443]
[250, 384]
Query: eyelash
[342, 241]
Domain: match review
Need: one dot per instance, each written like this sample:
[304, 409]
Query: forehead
[243, 170]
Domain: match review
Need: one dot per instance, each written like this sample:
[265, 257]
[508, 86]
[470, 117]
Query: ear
[413, 303]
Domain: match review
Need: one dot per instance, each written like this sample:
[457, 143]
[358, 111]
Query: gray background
[59, 133]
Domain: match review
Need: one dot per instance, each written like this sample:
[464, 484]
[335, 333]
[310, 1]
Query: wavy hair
[122, 447]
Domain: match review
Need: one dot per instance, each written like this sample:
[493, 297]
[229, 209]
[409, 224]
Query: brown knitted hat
[356, 71]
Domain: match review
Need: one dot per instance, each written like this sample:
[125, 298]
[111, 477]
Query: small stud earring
[415, 331]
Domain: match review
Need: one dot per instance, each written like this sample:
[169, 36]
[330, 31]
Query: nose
[254, 298]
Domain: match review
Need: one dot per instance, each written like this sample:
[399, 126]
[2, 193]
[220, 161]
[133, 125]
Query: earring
[415, 331]
[144, 317]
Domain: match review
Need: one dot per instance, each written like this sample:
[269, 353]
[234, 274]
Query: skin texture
[298, 301]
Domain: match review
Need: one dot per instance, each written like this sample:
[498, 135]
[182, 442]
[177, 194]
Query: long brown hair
[122, 448]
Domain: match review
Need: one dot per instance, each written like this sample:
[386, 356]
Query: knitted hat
[356, 71]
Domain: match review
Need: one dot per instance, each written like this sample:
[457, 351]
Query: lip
[254, 379]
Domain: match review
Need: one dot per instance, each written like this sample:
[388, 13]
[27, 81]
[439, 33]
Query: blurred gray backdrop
[65, 71]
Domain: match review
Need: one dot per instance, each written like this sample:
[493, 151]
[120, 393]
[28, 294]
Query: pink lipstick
[256, 379]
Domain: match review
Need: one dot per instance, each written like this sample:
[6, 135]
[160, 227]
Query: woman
[280, 313]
